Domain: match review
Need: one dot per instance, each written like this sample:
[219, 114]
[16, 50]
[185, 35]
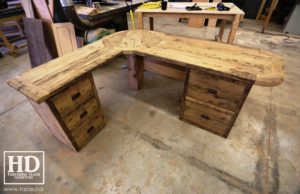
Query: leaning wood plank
[65, 39]
[51, 7]
[39, 53]
[27, 6]
[262, 67]
[42, 10]
[213, 22]
[197, 23]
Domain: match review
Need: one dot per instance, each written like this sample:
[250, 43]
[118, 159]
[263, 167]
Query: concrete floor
[146, 149]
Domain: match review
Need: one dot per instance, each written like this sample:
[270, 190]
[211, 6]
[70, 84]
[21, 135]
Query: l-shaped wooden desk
[217, 77]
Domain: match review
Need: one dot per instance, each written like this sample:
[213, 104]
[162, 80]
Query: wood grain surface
[263, 67]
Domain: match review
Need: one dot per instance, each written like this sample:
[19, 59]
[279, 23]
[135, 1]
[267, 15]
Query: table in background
[116, 13]
[234, 15]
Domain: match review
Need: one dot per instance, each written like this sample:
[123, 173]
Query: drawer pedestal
[212, 101]
[73, 115]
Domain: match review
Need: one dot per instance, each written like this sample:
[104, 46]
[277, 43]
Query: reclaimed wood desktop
[217, 77]
[177, 10]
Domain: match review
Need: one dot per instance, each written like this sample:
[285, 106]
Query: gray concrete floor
[145, 148]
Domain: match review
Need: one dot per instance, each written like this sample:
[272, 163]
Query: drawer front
[220, 91]
[72, 97]
[89, 110]
[88, 129]
[214, 120]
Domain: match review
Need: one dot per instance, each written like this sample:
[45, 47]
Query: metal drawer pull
[205, 117]
[83, 114]
[75, 96]
[212, 91]
[90, 130]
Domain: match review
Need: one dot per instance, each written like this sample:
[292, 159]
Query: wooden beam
[27, 6]
[42, 10]
[135, 71]
[261, 8]
[164, 68]
[51, 7]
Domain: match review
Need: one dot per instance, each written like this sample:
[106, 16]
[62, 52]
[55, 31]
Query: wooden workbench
[113, 14]
[217, 78]
[177, 10]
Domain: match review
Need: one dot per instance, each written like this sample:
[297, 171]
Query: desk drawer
[214, 89]
[88, 129]
[72, 97]
[88, 111]
[214, 120]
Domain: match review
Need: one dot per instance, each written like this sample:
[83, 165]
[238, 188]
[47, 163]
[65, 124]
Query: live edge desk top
[263, 67]
[218, 78]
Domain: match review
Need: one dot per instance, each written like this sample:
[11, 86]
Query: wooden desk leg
[151, 23]
[221, 32]
[140, 21]
[135, 71]
[234, 27]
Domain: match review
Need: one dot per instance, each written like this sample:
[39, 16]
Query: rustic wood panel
[263, 67]
[65, 38]
[51, 121]
[164, 68]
